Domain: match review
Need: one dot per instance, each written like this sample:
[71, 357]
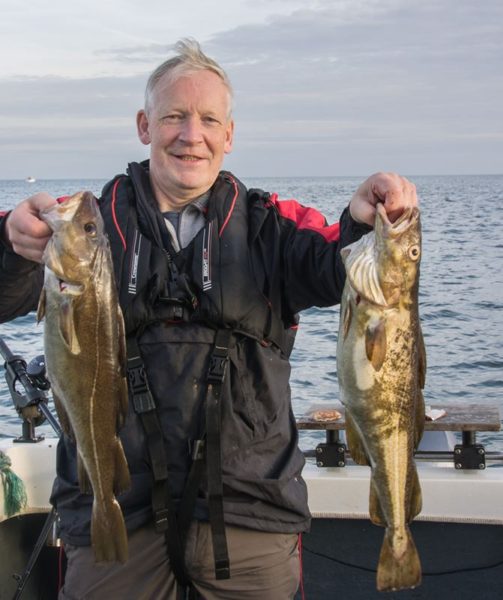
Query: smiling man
[187, 121]
[211, 278]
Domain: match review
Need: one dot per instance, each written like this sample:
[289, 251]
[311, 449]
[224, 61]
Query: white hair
[190, 59]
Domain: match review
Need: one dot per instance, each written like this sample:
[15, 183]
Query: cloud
[414, 84]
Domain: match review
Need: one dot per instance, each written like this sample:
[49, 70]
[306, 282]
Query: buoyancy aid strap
[216, 375]
[163, 506]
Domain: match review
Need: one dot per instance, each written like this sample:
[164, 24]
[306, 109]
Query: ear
[229, 136]
[142, 127]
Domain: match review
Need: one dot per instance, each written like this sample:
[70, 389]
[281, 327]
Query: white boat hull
[458, 533]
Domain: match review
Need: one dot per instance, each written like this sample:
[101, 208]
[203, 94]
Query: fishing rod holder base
[469, 457]
[28, 435]
[331, 453]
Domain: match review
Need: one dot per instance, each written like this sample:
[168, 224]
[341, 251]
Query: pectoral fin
[67, 327]
[375, 344]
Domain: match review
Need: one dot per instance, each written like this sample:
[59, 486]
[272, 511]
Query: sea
[461, 294]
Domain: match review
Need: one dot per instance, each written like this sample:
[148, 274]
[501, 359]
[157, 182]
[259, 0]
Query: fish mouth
[62, 212]
[65, 286]
[69, 288]
[405, 221]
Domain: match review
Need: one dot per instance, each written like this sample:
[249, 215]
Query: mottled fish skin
[85, 357]
[381, 366]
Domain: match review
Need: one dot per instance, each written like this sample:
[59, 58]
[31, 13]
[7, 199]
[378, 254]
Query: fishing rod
[33, 409]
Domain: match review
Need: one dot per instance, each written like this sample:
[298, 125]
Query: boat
[459, 532]
[30, 179]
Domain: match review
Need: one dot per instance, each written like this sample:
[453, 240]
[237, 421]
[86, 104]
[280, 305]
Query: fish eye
[414, 252]
[90, 228]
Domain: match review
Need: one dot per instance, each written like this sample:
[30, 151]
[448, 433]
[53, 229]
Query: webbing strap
[191, 489]
[216, 375]
[209, 446]
[165, 518]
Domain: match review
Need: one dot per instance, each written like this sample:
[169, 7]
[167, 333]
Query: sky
[322, 87]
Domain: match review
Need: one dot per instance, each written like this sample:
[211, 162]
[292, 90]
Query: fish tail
[108, 532]
[399, 566]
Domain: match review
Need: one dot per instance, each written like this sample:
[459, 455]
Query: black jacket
[269, 260]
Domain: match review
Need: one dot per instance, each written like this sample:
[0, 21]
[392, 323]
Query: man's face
[189, 132]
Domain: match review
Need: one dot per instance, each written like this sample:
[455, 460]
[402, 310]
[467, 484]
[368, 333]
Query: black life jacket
[216, 280]
[203, 282]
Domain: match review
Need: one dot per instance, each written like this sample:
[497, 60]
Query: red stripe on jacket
[231, 210]
[306, 218]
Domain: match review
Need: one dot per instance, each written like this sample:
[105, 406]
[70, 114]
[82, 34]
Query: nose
[191, 130]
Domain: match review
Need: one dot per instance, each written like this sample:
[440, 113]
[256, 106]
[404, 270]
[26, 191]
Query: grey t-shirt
[184, 225]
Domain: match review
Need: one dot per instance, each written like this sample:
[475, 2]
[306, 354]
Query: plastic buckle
[198, 450]
[218, 367]
[142, 398]
[161, 520]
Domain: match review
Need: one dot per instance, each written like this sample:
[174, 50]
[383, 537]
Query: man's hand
[25, 231]
[394, 191]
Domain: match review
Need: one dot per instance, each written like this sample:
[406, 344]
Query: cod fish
[381, 366]
[86, 357]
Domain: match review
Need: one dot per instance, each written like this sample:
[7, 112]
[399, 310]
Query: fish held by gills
[381, 366]
[86, 357]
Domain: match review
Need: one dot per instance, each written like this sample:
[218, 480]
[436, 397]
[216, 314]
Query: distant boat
[30, 179]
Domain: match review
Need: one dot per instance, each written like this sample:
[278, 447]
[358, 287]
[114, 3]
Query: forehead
[200, 89]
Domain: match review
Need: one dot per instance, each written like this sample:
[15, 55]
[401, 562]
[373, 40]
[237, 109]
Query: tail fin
[108, 533]
[399, 566]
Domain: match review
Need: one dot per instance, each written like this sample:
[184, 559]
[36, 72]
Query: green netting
[13, 487]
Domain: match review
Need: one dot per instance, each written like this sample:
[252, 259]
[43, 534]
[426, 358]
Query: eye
[90, 229]
[211, 120]
[172, 118]
[414, 252]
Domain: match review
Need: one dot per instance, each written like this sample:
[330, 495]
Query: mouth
[408, 217]
[189, 158]
[71, 289]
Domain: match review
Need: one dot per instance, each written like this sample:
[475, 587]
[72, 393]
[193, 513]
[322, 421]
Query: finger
[25, 231]
[31, 251]
[397, 193]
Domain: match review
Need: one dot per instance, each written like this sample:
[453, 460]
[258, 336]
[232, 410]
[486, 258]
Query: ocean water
[461, 293]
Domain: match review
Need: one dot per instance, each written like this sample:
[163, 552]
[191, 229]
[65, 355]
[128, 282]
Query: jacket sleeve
[21, 281]
[312, 270]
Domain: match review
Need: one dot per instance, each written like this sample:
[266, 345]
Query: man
[213, 312]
